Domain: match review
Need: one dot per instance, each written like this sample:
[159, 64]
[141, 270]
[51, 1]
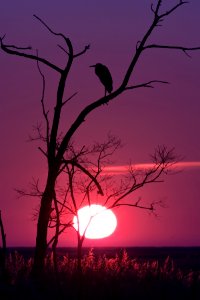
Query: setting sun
[96, 221]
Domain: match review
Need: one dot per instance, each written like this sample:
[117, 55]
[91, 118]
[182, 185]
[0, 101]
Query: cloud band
[124, 168]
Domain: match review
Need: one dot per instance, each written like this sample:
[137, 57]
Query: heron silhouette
[105, 77]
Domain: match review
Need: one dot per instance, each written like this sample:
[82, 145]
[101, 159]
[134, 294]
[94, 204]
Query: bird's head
[94, 66]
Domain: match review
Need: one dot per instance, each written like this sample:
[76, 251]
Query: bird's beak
[93, 66]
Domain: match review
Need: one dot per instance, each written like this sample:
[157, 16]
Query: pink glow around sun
[96, 221]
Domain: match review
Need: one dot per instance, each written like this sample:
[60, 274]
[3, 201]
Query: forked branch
[85, 171]
[163, 160]
[67, 40]
[11, 49]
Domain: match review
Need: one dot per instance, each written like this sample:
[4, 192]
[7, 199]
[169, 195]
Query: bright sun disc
[101, 221]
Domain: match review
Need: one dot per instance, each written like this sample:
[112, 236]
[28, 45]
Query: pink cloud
[124, 168]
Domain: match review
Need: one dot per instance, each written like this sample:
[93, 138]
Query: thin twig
[171, 47]
[82, 52]
[72, 96]
[45, 113]
[146, 84]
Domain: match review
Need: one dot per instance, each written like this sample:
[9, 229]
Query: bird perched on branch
[105, 77]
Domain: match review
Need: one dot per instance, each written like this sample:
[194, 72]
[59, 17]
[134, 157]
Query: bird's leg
[105, 96]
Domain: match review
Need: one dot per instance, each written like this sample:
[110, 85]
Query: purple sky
[143, 119]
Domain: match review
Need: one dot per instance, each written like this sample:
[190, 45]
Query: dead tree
[54, 153]
[118, 190]
[3, 249]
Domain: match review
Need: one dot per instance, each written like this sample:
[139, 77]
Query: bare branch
[34, 190]
[172, 9]
[38, 134]
[163, 159]
[83, 51]
[67, 207]
[43, 152]
[69, 224]
[3, 37]
[6, 48]
[61, 47]
[45, 113]
[152, 9]
[78, 54]
[19, 48]
[79, 166]
[171, 47]
[71, 187]
[67, 40]
[146, 84]
[68, 99]
[150, 207]
[158, 7]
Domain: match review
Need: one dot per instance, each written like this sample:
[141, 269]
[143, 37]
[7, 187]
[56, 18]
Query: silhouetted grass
[119, 277]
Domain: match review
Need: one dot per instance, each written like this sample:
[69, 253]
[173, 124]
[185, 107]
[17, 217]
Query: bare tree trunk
[3, 249]
[79, 254]
[79, 272]
[42, 227]
[55, 242]
[55, 261]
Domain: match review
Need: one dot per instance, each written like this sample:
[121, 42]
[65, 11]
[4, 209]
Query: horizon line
[125, 246]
